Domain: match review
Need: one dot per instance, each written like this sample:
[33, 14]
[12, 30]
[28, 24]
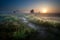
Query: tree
[14, 11]
[32, 11]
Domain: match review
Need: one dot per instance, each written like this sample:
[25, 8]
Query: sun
[44, 10]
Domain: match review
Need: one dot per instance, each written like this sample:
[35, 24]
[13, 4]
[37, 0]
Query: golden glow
[44, 10]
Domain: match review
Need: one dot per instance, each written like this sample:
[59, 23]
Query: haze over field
[29, 19]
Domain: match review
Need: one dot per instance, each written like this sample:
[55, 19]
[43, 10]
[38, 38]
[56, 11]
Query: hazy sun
[44, 10]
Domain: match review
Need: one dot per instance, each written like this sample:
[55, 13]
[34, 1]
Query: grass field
[50, 22]
[11, 27]
[14, 28]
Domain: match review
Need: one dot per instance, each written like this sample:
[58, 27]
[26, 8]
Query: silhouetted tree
[32, 11]
[14, 11]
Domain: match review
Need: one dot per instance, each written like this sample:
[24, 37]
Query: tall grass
[12, 28]
[53, 27]
[43, 22]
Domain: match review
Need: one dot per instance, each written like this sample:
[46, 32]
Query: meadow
[12, 27]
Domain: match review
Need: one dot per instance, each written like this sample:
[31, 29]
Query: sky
[26, 5]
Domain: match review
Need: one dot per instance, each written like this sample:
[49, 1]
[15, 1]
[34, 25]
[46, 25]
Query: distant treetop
[32, 11]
